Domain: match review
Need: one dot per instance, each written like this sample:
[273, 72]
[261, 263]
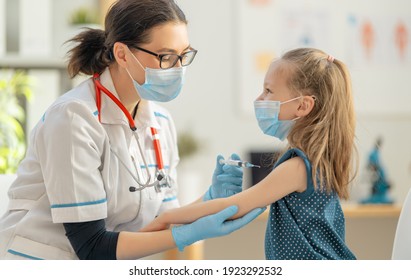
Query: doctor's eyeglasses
[170, 60]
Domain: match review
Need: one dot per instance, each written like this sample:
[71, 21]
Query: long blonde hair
[327, 133]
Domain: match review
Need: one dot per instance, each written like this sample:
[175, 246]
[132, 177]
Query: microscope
[380, 185]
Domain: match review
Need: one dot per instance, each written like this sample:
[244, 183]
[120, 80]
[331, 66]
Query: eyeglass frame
[160, 56]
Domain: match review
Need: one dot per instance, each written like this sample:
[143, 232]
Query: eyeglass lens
[169, 60]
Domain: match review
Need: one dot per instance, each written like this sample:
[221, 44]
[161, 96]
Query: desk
[371, 211]
[370, 229]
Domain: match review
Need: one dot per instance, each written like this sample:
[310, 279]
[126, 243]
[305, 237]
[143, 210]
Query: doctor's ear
[306, 106]
[119, 53]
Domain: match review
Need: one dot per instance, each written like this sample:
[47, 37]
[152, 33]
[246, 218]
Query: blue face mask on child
[160, 85]
[267, 113]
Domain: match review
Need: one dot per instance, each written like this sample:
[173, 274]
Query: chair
[402, 241]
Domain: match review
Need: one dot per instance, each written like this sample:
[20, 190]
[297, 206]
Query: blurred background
[236, 40]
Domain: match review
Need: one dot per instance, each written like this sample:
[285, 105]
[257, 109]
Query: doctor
[101, 163]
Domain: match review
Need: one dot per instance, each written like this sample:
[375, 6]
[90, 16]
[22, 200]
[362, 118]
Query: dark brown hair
[127, 21]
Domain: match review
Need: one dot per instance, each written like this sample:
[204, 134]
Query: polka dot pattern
[306, 226]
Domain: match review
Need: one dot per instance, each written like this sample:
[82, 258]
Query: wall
[61, 11]
[47, 70]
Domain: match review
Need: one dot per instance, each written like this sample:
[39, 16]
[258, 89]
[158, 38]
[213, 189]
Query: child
[306, 99]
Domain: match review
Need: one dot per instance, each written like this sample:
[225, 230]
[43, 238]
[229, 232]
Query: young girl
[306, 99]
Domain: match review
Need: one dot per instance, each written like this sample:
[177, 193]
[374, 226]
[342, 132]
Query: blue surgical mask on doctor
[160, 85]
[266, 112]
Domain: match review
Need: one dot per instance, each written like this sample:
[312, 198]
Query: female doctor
[101, 163]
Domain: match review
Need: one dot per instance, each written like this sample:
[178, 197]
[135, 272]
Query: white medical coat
[70, 173]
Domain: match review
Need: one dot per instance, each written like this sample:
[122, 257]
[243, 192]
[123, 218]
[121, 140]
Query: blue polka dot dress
[308, 225]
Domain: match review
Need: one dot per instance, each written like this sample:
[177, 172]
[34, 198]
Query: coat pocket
[23, 248]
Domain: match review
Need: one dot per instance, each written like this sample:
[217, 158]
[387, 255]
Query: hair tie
[330, 58]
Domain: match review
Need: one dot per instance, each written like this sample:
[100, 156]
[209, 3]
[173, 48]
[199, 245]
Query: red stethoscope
[161, 179]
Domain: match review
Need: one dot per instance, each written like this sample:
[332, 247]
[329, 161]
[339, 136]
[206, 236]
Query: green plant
[84, 16]
[187, 144]
[13, 88]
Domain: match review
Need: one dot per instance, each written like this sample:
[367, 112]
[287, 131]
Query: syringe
[238, 163]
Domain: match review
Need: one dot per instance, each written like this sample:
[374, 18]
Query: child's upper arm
[290, 176]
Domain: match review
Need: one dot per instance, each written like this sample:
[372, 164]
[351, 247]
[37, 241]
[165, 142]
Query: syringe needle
[238, 163]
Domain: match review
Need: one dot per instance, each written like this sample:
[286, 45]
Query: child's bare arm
[186, 214]
[285, 179]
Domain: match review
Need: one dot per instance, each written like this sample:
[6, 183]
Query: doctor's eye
[168, 60]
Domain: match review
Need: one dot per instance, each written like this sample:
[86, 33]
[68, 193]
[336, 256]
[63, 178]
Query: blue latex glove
[212, 226]
[227, 180]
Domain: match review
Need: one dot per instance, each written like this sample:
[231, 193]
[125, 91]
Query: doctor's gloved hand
[212, 226]
[227, 180]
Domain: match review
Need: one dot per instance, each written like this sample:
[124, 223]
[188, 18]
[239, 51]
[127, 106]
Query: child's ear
[306, 106]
